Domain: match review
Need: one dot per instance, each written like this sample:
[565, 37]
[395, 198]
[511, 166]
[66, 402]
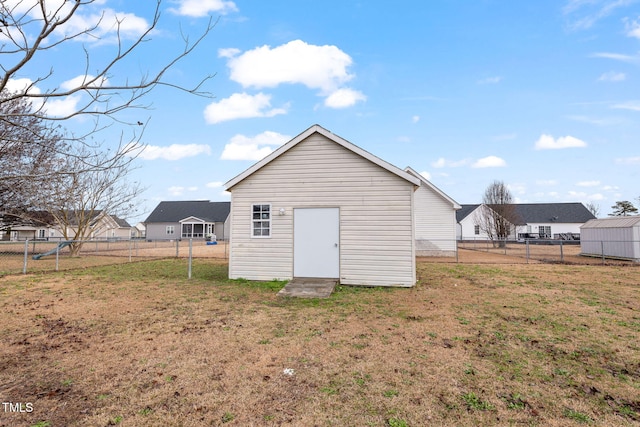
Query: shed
[435, 219]
[616, 237]
[320, 206]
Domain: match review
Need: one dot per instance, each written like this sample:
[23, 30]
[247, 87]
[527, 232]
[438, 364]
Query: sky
[541, 95]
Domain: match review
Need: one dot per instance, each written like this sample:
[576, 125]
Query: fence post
[561, 252]
[57, 256]
[602, 250]
[190, 255]
[26, 254]
[527, 251]
[177, 247]
[130, 248]
[457, 252]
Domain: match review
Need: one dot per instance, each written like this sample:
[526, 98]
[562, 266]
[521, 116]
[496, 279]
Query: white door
[316, 238]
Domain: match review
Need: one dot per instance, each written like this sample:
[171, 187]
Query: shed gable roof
[613, 222]
[427, 184]
[331, 136]
[174, 211]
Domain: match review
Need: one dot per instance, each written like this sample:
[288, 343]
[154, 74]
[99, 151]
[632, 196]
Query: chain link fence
[31, 256]
[549, 251]
[41, 256]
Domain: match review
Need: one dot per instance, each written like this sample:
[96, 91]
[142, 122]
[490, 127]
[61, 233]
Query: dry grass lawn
[139, 345]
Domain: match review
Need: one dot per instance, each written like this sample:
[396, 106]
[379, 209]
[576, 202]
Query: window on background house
[476, 229]
[545, 231]
[261, 221]
[170, 229]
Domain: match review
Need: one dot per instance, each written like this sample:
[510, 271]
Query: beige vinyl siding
[376, 234]
[435, 224]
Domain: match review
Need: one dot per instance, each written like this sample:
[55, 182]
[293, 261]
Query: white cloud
[612, 76]
[608, 121]
[415, 119]
[241, 106]
[426, 175]
[490, 80]
[591, 11]
[628, 160]
[588, 183]
[629, 105]
[581, 195]
[107, 26]
[229, 52]
[62, 107]
[633, 29]
[242, 147]
[615, 56]
[442, 163]
[317, 67]
[343, 98]
[22, 85]
[547, 182]
[174, 151]
[547, 142]
[175, 190]
[489, 162]
[518, 188]
[505, 137]
[200, 8]
[214, 184]
[54, 107]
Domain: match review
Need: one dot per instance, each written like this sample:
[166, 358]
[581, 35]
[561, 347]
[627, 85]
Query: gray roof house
[533, 220]
[191, 219]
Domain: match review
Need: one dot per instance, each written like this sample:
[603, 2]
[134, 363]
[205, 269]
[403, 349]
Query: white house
[531, 220]
[616, 237]
[319, 206]
[434, 219]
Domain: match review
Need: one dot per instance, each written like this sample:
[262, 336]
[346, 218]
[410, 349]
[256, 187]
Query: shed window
[261, 221]
[476, 229]
[170, 229]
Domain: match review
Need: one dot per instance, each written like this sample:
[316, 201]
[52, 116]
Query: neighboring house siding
[158, 231]
[376, 233]
[466, 227]
[435, 224]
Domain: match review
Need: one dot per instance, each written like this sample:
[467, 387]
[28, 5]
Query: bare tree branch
[104, 96]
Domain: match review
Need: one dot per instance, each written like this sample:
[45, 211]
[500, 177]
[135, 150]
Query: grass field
[139, 345]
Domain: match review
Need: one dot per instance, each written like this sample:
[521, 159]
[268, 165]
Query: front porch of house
[196, 228]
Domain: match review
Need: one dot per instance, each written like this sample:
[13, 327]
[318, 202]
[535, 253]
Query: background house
[319, 206]
[194, 219]
[41, 225]
[435, 219]
[531, 220]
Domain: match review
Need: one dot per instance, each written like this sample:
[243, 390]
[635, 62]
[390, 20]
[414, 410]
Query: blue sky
[543, 95]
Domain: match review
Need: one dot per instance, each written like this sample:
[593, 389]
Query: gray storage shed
[617, 237]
